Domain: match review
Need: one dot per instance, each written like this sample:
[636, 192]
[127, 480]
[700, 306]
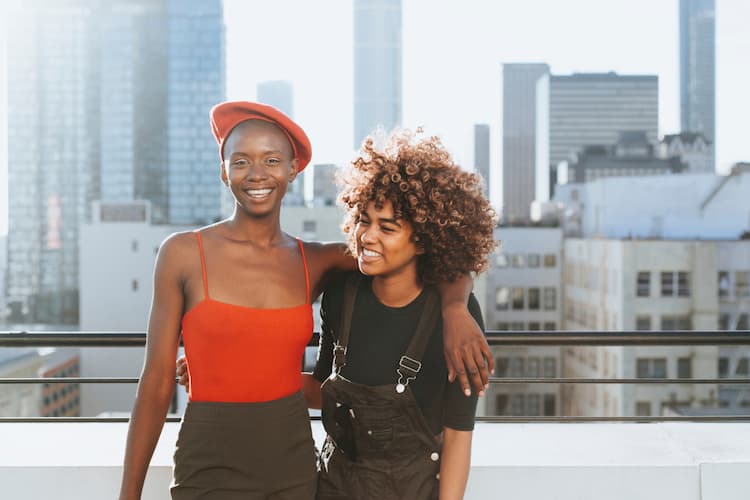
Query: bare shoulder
[329, 256]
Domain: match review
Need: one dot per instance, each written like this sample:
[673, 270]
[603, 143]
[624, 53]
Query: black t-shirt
[379, 337]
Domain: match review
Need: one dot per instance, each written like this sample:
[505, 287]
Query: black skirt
[228, 451]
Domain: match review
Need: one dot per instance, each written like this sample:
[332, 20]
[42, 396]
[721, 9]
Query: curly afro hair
[445, 206]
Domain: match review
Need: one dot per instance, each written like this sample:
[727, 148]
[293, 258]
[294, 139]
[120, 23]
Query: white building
[3, 267]
[692, 148]
[686, 206]
[523, 292]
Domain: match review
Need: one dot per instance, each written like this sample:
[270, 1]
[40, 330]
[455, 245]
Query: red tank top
[244, 354]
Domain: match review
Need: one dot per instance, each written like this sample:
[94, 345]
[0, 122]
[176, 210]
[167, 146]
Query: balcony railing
[495, 338]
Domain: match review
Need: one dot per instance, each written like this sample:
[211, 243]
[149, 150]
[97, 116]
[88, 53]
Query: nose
[256, 170]
[368, 235]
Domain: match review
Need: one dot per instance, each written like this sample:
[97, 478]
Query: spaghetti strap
[307, 272]
[203, 263]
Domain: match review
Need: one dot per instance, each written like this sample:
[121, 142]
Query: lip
[258, 194]
[369, 258]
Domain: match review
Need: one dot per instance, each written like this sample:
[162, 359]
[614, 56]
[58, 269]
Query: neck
[263, 230]
[397, 290]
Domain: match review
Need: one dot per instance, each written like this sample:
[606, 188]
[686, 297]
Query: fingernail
[481, 394]
[486, 386]
[467, 392]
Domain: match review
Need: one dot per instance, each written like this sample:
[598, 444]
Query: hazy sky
[452, 55]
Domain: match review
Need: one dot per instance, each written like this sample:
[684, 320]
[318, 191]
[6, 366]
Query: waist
[243, 413]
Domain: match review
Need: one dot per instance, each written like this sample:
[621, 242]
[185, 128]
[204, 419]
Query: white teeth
[369, 253]
[258, 193]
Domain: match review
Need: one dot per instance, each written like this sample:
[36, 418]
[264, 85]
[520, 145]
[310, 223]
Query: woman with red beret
[240, 293]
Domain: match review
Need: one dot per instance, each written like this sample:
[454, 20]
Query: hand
[183, 377]
[467, 354]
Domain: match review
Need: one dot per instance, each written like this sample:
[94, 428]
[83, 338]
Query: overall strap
[307, 271]
[347, 309]
[411, 363]
[203, 263]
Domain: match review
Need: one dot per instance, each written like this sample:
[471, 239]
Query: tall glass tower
[377, 66]
[698, 67]
[106, 100]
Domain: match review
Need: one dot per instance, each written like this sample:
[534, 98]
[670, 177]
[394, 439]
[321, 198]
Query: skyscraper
[377, 66]
[698, 67]
[105, 100]
[519, 137]
[574, 111]
[279, 94]
[482, 154]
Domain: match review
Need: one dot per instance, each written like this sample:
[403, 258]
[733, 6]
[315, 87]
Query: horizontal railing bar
[484, 419]
[493, 380]
[718, 381]
[494, 337]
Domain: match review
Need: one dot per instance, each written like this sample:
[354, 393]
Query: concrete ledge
[702, 461]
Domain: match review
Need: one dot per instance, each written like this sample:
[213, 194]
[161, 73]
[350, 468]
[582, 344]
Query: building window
[516, 367]
[533, 405]
[516, 405]
[502, 366]
[651, 368]
[683, 284]
[550, 260]
[550, 326]
[549, 405]
[518, 260]
[742, 284]
[550, 367]
[742, 322]
[534, 326]
[134, 245]
[643, 285]
[501, 404]
[667, 284]
[723, 367]
[643, 323]
[675, 284]
[684, 368]
[516, 326]
[643, 409]
[517, 298]
[309, 226]
[134, 285]
[532, 367]
[550, 298]
[502, 326]
[534, 299]
[501, 260]
[534, 260]
[671, 323]
[724, 321]
[743, 367]
[502, 296]
[723, 284]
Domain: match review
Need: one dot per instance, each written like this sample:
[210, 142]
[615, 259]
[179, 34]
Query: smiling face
[385, 245]
[258, 166]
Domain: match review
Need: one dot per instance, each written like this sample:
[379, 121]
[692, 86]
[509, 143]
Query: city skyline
[452, 82]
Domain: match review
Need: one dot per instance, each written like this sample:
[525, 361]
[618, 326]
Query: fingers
[472, 371]
[450, 365]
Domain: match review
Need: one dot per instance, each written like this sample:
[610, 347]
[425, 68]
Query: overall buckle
[339, 355]
[407, 370]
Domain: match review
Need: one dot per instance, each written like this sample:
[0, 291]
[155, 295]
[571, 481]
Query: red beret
[227, 115]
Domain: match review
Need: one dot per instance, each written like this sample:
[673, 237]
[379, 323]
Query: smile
[370, 253]
[258, 193]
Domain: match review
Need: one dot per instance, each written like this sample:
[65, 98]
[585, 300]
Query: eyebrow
[382, 219]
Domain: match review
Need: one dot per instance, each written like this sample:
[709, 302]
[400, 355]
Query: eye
[273, 161]
[387, 229]
[239, 162]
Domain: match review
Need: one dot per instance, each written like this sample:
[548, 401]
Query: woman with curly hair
[396, 428]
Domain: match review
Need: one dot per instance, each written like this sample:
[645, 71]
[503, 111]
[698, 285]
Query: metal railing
[494, 338]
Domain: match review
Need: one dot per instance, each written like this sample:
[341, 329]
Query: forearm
[454, 466]
[455, 293]
[147, 420]
[311, 390]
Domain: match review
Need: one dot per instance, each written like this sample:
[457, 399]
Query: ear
[293, 170]
[223, 175]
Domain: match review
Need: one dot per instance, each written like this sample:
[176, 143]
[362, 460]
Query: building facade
[519, 121]
[482, 155]
[693, 149]
[523, 293]
[377, 66]
[574, 111]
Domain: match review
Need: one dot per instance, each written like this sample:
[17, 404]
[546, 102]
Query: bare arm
[156, 385]
[311, 390]
[454, 466]
[466, 349]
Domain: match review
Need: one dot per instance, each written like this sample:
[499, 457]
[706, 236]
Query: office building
[482, 155]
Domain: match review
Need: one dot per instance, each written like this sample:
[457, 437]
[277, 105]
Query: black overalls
[379, 445]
